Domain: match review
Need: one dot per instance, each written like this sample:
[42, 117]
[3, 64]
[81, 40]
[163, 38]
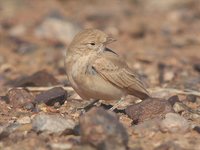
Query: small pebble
[29, 106]
[24, 120]
[178, 108]
[147, 128]
[197, 67]
[19, 97]
[197, 129]
[174, 123]
[173, 99]
[56, 105]
[170, 145]
[52, 96]
[52, 123]
[191, 98]
[168, 76]
[61, 146]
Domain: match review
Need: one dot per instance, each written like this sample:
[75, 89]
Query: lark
[97, 72]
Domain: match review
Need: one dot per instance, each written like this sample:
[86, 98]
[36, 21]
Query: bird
[96, 72]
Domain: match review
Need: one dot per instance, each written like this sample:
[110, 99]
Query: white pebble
[174, 123]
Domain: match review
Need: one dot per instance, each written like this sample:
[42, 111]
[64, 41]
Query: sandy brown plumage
[96, 72]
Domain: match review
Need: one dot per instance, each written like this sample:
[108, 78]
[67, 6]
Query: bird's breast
[89, 84]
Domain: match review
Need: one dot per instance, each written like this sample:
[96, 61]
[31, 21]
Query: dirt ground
[160, 40]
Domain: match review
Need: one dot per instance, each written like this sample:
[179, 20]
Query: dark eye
[92, 43]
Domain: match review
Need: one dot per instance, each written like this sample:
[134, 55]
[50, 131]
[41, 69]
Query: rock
[161, 68]
[174, 123]
[4, 98]
[161, 6]
[191, 98]
[168, 146]
[147, 128]
[57, 29]
[173, 99]
[197, 67]
[3, 134]
[148, 109]
[40, 78]
[57, 105]
[169, 75]
[178, 107]
[191, 83]
[17, 30]
[61, 146]
[194, 117]
[52, 123]
[2, 79]
[22, 46]
[24, 120]
[52, 96]
[165, 74]
[84, 147]
[19, 97]
[29, 106]
[6, 130]
[197, 129]
[26, 48]
[103, 130]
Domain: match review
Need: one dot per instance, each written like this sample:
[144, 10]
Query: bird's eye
[92, 43]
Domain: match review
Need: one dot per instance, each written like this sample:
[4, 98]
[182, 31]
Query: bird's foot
[88, 106]
[116, 104]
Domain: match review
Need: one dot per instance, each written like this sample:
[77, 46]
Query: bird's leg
[117, 104]
[90, 105]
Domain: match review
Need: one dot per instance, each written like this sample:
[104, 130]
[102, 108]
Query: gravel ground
[160, 40]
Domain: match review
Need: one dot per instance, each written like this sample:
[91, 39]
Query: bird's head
[90, 40]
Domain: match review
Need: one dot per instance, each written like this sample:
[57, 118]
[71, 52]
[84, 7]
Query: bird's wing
[113, 69]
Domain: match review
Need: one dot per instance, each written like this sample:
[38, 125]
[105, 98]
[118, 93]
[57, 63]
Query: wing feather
[115, 70]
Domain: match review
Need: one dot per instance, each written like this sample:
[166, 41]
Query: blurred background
[159, 39]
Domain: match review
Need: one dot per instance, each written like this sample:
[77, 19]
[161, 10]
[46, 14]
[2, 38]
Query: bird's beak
[110, 40]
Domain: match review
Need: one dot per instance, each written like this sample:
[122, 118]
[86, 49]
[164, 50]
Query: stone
[40, 78]
[17, 30]
[61, 146]
[102, 130]
[6, 130]
[52, 123]
[168, 146]
[173, 99]
[178, 107]
[57, 29]
[147, 128]
[84, 147]
[23, 46]
[29, 106]
[197, 129]
[2, 79]
[169, 76]
[191, 98]
[174, 123]
[52, 96]
[148, 109]
[197, 67]
[24, 120]
[19, 97]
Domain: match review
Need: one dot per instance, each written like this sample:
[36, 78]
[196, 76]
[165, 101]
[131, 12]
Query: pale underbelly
[95, 87]
[91, 85]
